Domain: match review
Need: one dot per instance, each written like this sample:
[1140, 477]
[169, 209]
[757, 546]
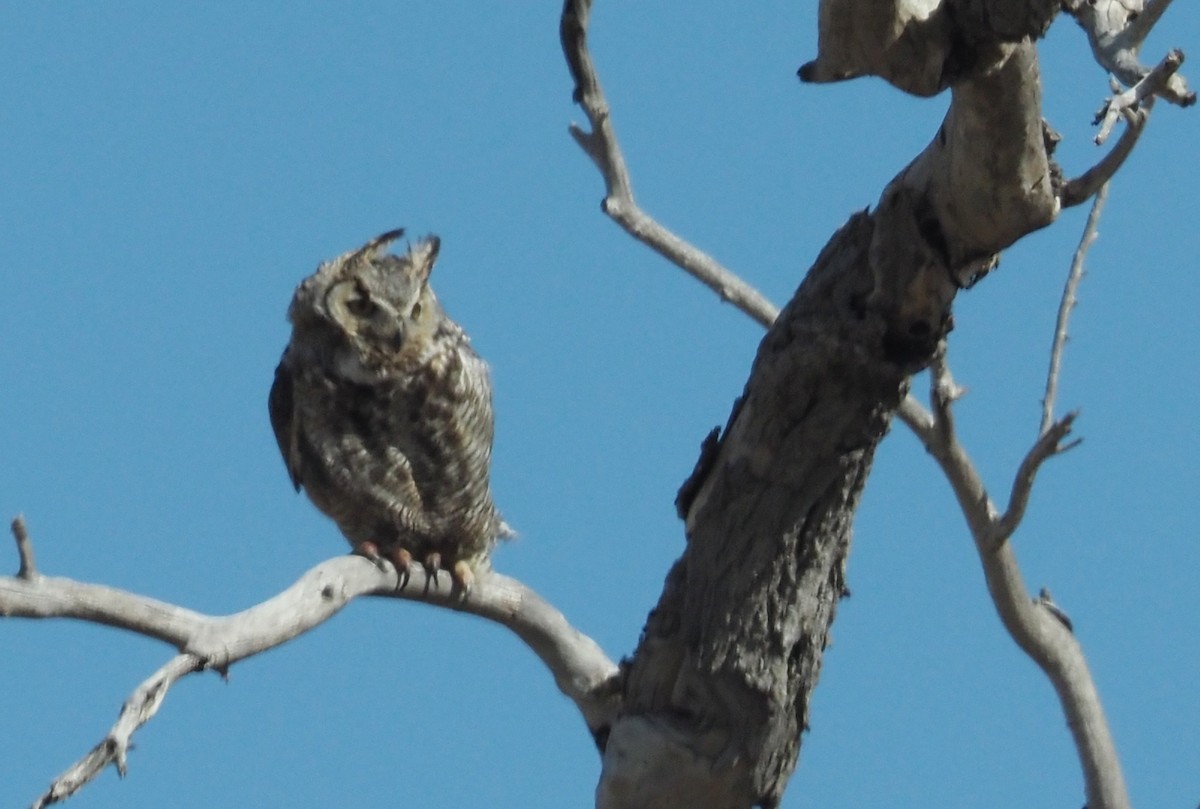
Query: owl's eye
[416, 310]
[352, 301]
[361, 306]
[359, 302]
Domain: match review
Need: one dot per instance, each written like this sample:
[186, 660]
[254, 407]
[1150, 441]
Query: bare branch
[601, 146]
[1036, 625]
[1152, 84]
[137, 711]
[914, 414]
[28, 569]
[1065, 305]
[1049, 444]
[943, 393]
[1116, 33]
[580, 668]
[1141, 25]
[1086, 185]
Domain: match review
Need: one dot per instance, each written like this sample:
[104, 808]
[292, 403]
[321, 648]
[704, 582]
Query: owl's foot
[463, 576]
[370, 551]
[432, 565]
[400, 559]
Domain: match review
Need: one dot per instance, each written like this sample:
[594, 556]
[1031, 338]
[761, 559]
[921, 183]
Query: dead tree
[710, 709]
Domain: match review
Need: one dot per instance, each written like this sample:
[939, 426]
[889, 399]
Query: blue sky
[167, 176]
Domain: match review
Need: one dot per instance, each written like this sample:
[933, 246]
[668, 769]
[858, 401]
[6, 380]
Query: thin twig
[1049, 444]
[137, 711]
[1154, 83]
[28, 569]
[1081, 188]
[1066, 305]
[601, 146]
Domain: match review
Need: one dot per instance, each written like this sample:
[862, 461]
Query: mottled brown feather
[383, 411]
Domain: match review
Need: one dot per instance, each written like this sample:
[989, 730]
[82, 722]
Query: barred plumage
[383, 412]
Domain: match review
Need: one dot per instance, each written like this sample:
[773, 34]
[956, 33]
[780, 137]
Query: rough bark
[716, 694]
[718, 688]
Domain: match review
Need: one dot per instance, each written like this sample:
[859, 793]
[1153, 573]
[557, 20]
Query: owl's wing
[281, 406]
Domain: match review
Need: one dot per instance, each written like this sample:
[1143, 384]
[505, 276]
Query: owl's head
[380, 304]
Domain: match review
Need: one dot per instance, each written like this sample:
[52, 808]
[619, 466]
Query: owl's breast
[409, 449]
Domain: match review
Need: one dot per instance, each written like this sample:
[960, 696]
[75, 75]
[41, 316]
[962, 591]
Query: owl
[383, 413]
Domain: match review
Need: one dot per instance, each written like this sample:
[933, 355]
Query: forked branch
[1116, 35]
[580, 668]
[1153, 84]
[1038, 625]
[141, 706]
[601, 146]
[1048, 444]
[1085, 186]
[1116, 30]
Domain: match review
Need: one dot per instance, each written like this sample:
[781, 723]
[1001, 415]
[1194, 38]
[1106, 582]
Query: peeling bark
[919, 46]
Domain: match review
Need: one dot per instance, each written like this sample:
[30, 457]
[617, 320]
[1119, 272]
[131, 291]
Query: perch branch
[1037, 625]
[600, 144]
[580, 668]
[1065, 306]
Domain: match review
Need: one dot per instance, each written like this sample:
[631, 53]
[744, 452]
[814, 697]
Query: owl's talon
[402, 561]
[463, 576]
[370, 551]
[433, 564]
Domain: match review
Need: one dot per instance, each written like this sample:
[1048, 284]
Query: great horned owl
[383, 412]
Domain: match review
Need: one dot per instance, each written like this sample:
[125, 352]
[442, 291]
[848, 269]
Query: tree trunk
[716, 694]
[717, 691]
